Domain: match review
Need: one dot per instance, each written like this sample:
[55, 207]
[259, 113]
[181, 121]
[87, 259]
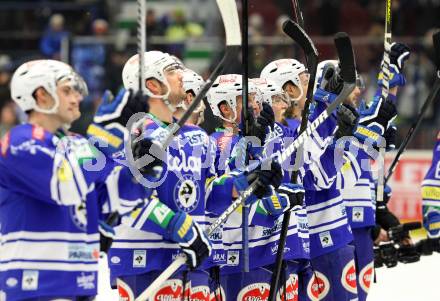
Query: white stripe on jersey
[358, 203]
[356, 193]
[49, 236]
[329, 227]
[328, 215]
[429, 182]
[23, 265]
[49, 250]
[262, 242]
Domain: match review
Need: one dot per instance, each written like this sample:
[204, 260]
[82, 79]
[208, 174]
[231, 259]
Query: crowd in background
[35, 31]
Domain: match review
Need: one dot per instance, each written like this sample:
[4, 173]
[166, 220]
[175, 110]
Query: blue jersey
[188, 184]
[359, 199]
[52, 191]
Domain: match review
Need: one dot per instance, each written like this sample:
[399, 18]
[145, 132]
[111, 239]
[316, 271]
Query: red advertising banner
[406, 201]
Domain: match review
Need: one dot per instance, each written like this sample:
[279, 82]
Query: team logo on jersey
[139, 258]
[187, 194]
[124, 291]
[11, 282]
[171, 290]
[318, 287]
[218, 294]
[326, 239]
[233, 258]
[365, 276]
[358, 214]
[78, 214]
[29, 281]
[348, 278]
[291, 289]
[256, 291]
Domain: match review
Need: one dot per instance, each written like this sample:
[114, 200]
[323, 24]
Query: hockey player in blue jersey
[50, 199]
[292, 76]
[225, 101]
[138, 255]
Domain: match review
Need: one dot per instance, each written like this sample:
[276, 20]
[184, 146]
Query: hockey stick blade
[296, 33]
[229, 12]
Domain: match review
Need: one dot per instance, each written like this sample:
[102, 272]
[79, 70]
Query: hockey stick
[345, 53]
[433, 95]
[296, 33]
[385, 92]
[298, 13]
[141, 41]
[229, 14]
[245, 114]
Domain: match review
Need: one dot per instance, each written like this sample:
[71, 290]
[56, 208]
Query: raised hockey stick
[385, 91]
[229, 14]
[141, 42]
[433, 95]
[296, 33]
[245, 112]
[346, 57]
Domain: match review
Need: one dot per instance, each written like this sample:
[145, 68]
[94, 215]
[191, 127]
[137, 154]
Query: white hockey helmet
[192, 82]
[46, 74]
[155, 65]
[270, 91]
[283, 71]
[225, 88]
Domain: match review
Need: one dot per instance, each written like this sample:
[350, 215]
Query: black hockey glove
[149, 157]
[294, 193]
[266, 177]
[378, 116]
[106, 232]
[332, 81]
[347, 120]
[259, 127]
[398, 55]
[390, 137]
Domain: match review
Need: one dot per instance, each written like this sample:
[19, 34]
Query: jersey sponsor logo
[78, 214]
[217, 234]
[124, 291]
[217, 294]
[233, 258]
[183, 162]
[219, 257]
[291, 289]
[274, 248]
[115, 260]
[254, 292]
[4, 144]
[86, 281]
[11, 282]
[29, 281]
[37, 132]
[318, 287]
[365, 276]
[171, 290]
[348, 278]
[358, 214]
[81, 252]
[326, 239]
[187, 194]
[195, 138]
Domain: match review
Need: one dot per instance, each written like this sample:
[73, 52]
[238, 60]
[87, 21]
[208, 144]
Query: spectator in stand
[6, 67]
[8, 117]
[50, 44]
[179, 31]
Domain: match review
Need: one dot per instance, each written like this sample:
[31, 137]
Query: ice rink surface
[418, 281]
